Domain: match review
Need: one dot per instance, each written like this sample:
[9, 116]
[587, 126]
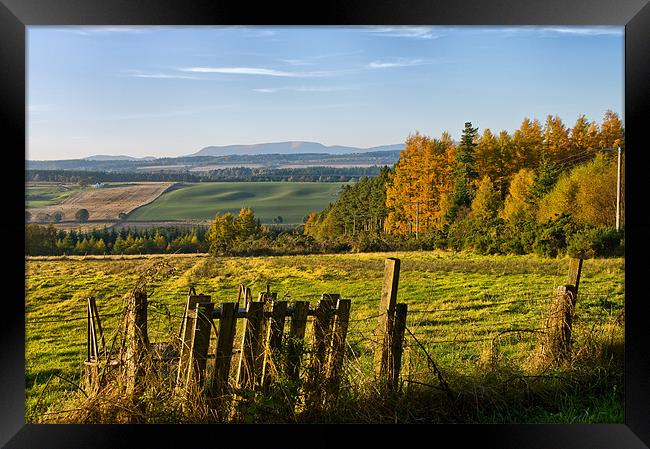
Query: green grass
[290, 200]
[42, 196]
[452, 298]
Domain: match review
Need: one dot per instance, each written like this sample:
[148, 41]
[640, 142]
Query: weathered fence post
[93, 351]
[192, 338]
[573, 278]
[201, 340]
[275, 329]
[340, 330]
[296, 337]
[223, 353]
[137, 341]
[249, 372]
[322, 341]
[385, 325]
[397, 341]
[559, 324]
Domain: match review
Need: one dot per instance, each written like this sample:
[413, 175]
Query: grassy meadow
[43, 195]
[290, 200]
[457, 304]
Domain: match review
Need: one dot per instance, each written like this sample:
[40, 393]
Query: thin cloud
[405, 32]
[297, 61]
[580, 31]
[271, 90]
[141, 74]
[254, 71]
[397, 63]
[108, 30]
[545, 31]
[310, 60]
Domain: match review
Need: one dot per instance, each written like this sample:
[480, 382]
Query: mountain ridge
[288, 147]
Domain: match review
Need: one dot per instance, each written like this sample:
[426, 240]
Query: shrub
[368, 242]
[594, 242]
[551, 239]
[82, 215]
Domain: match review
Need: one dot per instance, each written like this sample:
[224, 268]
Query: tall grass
[469, 326]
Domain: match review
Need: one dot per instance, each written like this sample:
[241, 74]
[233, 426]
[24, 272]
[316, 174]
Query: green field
[458, 304]
[47, 195]
[290, 200]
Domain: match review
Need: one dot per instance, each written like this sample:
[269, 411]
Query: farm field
[290, 200]
[47, 194]
[457, 304]
[104, 204]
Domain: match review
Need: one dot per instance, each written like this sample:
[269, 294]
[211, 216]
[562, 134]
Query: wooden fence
[273, 341]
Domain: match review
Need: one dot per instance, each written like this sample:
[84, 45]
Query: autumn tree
[588, 193]
[556, 139]
[581, 138]
[222, 232]
[420, 180]
[487, 155]
[611, 131]
[527, 143]
[518, 205]
[247, 225]
[487, 201]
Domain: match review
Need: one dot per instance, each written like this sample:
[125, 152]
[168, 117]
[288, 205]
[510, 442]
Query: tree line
[546, 188]
[229, 174]
[48, 241]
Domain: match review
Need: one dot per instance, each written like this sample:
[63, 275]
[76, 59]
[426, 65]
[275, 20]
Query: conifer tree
[612, 134]
[464, 172]
[487, 200]
[527, 144]
[556, 139]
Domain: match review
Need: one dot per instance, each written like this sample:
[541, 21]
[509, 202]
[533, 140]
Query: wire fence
[477, 321]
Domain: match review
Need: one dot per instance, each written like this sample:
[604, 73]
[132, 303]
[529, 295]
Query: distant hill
[103, 157]
[291, 147]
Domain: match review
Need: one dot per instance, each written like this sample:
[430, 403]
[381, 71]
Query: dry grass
[105, 204]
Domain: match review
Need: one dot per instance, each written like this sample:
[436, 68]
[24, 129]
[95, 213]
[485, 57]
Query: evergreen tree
[464, 173]
[100, 247]
[546, 175]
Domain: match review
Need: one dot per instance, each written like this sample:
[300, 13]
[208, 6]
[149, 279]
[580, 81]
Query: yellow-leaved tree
[487, 201]
[517, 206]
[420, 179]
[588, 192]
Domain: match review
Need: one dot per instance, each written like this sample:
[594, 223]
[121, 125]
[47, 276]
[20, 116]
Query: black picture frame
[16, 15]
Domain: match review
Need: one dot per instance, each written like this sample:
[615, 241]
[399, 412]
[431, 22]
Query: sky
[170, 91]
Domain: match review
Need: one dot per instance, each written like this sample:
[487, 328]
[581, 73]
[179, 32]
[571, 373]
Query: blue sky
[170, 91]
